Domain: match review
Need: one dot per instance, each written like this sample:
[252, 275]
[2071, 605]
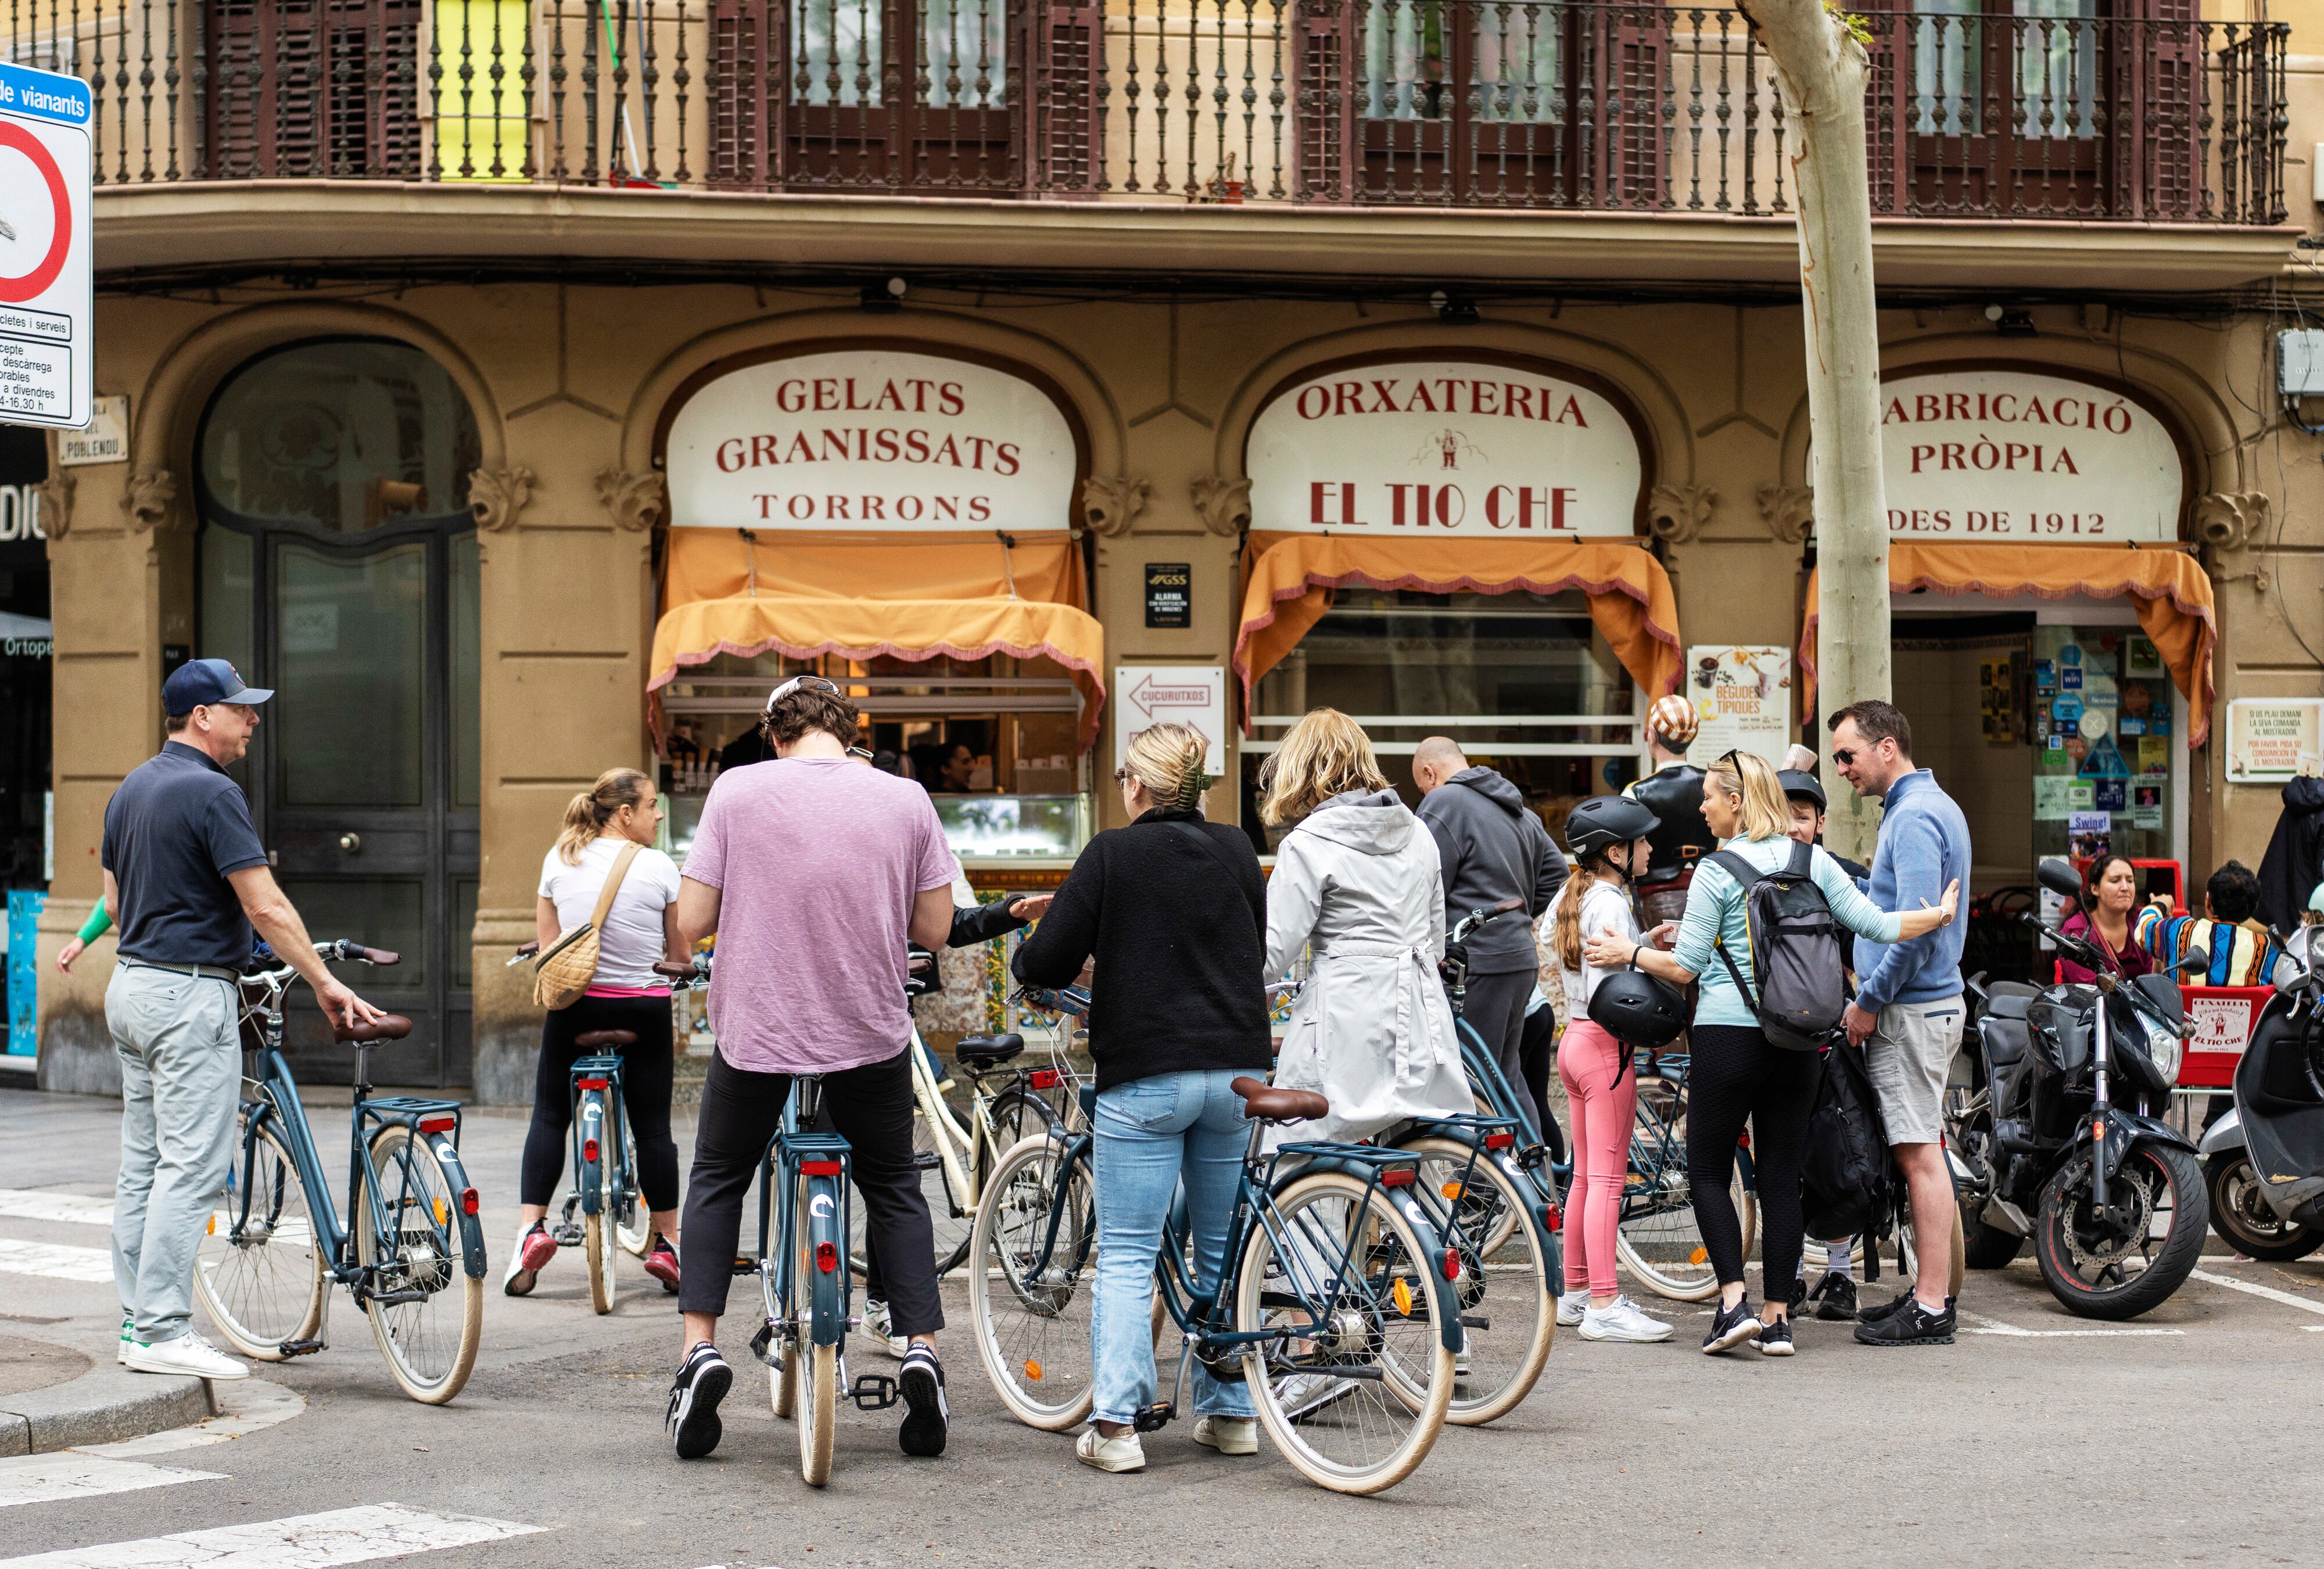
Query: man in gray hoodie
[1491, 847]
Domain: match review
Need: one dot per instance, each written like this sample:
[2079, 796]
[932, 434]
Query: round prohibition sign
[33, 284]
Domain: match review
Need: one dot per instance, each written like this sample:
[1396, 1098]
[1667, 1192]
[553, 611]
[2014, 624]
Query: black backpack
[1794, 950]
[1847, 1185]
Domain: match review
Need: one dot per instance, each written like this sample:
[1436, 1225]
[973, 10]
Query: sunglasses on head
[818, 683]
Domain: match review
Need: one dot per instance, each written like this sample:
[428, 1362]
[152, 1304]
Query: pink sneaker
[532, 1252]
[661, 1263]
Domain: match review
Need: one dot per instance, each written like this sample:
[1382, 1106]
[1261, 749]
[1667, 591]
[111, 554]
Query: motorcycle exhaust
[2005, 1216]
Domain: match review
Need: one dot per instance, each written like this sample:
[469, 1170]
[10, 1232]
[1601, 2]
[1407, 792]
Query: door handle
[351, 843]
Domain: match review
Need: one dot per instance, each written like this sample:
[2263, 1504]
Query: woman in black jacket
[1172, 908]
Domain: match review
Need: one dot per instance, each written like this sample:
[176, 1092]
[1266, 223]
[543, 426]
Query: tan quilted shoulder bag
[566, 966]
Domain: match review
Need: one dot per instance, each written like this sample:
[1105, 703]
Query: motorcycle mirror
[2196, 959]
[2057, 874]
[2290, 981]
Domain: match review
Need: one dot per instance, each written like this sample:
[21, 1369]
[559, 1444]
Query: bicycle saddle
[1268, 1103]
[390, 1027]
[605, 1039]
[984, 1051]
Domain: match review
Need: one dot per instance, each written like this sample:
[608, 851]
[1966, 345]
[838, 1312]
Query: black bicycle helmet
[1604, 821]
[1799, 785]
[1638, 1009]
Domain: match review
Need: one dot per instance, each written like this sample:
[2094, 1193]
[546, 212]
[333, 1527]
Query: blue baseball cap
[201, 681]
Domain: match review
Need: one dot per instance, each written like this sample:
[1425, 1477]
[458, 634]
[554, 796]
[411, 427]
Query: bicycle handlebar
[685, 972]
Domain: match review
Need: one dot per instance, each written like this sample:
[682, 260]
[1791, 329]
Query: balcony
[1250, 108]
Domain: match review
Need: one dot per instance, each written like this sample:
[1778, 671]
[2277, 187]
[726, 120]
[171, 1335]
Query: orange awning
[719, 564]
[1288, 578]
[2171, 594]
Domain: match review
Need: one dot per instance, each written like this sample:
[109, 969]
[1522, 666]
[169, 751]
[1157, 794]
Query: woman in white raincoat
[1358, 882]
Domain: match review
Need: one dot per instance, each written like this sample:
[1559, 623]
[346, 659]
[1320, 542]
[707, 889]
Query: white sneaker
[188, 1354]
[128, 1339]
[1623, 1322]
[1571, 1308]
[879, 1326]
[1228, 1434]
[1123, 1452]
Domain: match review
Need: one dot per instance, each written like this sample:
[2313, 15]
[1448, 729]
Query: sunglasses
[1122, 776]
[817, 683]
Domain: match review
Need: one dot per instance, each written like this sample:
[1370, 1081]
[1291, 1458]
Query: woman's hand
[1665, 937]
[68, 954]
[1913, 923]
[1030, 906]
[1608, 952]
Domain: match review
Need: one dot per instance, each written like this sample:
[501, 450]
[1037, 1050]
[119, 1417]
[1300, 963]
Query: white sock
[1836, 1257]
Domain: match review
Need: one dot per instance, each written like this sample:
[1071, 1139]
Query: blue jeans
[1151, 1133]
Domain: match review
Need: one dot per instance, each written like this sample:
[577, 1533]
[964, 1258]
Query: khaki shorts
[1909, 1056]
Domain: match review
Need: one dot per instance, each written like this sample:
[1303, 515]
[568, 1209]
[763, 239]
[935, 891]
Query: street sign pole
[48, 349]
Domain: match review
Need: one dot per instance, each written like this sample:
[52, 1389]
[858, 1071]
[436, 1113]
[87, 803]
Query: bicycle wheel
[259, 1276]
[947, 1212]
[430, 1340]
[1033, 1331]
[633, 1222]
[1355, 1386]
[597, 1243]
[818, 1365]
[1504, 1288]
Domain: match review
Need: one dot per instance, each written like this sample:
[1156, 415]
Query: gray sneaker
[1622, 1321]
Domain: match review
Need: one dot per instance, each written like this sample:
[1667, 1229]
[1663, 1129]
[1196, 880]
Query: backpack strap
[1745, 874]
[1803, 862]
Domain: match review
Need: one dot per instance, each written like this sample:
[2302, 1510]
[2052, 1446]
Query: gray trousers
[181, 1081]
[1494, 1008]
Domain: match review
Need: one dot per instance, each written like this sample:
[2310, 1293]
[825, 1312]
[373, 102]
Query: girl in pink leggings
[1607, 836]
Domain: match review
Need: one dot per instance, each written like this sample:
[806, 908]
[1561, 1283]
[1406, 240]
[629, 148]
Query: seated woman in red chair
[2109, 890]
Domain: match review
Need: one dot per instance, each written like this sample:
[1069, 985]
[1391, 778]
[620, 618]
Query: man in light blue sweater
[1907, 1015]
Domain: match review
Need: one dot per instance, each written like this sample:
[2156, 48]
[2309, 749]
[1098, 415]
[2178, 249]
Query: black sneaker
[1887, 1309]
[1731, 1327]
[703, 1379]
[1911, 1325]
[926, 1418]
[1834, 1297]
[1776, 1339]
[1799, 1294]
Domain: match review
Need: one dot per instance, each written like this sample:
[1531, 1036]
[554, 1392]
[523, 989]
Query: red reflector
[1499, 1140]
[1743, 1140]
[820, 1167]
[1556, 1218]
[439, 1124]
[826, 1257]
[1451, 1264]
[1396, 1177]
[469, 1203]
[592, 1084]
[1045, 1078]
[589, 1150]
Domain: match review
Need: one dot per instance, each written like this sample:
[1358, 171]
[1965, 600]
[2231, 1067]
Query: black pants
[1537, 1051]
[1735, 1075]
[646, 1070]
[1496, 1011]
[872, 1108]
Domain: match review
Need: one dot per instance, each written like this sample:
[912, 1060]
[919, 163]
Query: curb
[103, 1405]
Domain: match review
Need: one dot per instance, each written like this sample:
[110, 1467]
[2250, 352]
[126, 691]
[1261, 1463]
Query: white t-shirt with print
[1605, 912]
[632, 939]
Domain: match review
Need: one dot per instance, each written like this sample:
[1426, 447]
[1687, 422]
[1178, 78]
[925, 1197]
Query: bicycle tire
[1034, 1347]
[598, 1243]
[1398, 1349]
[1018, 1114]
[633, 1222]
[430, 1365]
[949, 1230]
[267, 1289]
[1506, 1309]
[818, 1365]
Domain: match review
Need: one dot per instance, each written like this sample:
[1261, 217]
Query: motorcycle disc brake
[2107, 1257]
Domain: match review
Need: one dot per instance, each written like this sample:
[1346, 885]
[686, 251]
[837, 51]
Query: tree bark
[1819, 69]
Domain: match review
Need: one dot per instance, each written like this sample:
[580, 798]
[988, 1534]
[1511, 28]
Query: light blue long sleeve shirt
[1715, 919]
[1924, 845]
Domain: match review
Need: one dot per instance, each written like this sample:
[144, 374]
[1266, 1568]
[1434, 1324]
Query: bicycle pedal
[746, 1267]
[569, 1236]
[1155, 1417]
[301, 1348]
[1533, 1157]
[763, 1347]
[875, 1392]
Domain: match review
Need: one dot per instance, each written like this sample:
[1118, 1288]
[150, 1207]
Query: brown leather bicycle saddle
[1268, 1103]
[605, 1039]
[390, 1027]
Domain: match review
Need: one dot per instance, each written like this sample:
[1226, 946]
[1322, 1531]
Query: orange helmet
[1673, 720]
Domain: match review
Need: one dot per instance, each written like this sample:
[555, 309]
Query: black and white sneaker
[1834, 1297]
[1731, 1327]
[1776, 1339]
[1911, 1325]
[1887, 1309]
[703, 1379]
[927, 1419]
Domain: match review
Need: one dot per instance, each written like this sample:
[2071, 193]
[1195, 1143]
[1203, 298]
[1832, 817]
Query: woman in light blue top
[1737, 1074]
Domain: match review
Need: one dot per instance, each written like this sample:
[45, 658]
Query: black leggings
[1734, 1074]
[646, 1071]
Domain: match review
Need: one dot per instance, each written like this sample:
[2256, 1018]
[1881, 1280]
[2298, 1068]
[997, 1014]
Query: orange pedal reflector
[1403, 1294]
[1033, 1371]
[1453, 1190]
[1700, 1256]
[443, 1209]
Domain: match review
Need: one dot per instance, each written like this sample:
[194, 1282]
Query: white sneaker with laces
[1117, 1453]
[1622, 1321]
[877, 1324]
[1571, 1308]
[188, 1354]
[1228, 1434]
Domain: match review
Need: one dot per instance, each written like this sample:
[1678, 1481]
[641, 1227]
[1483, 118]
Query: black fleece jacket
[1172, 908]
[2294, 863]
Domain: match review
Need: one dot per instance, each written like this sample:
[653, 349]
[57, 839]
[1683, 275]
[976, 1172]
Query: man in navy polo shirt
[185, 881]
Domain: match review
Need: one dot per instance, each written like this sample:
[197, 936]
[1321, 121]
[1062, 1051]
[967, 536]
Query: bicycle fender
[826, 1223]
[2125, 1132]
[472, 1227]
[1541, 1215]
[588, 1128]
[1444, 1300]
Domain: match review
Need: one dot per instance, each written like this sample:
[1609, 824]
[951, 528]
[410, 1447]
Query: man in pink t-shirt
[815, 872]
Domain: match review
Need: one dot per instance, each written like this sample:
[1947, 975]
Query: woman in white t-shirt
[1607, 836]
[621, 808]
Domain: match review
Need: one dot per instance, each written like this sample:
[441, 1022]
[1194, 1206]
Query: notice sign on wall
[2006, 455]
[47, 353]
[871, 439]
[2274, 739]
[1744, 694]
[1191, 694]
[1169, 593]
[1445, 448]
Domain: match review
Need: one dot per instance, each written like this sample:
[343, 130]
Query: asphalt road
[2187, 1437]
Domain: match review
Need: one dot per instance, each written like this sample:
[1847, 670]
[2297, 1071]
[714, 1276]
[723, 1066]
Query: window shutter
[1326, 109]
[740, 69]
[1065, 114]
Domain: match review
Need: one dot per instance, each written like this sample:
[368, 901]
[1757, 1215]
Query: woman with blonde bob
[1358, 883]
[1737, 1073]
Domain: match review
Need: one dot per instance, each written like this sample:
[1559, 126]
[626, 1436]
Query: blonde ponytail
[1565, 917]
[588, 812]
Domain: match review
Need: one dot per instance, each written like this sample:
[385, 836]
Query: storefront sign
[1190, 695]
[2009, 456]
[2272, 739]
[1169, 593]
[1442, 449]
[2222, 1024]
[1744, 695]
[870, 440]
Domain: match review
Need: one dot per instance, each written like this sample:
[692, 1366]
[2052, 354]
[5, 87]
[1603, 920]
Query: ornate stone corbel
[637, 500]
[1788, 511]
[2230, 520]
[1224, 504]
[56, 494]
[495, 495]
[150, 500]
[1676, 513]
[1110, 503]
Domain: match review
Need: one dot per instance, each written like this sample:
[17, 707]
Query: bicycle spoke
[257, 1267]
[424, 1309]
[1033, 1283]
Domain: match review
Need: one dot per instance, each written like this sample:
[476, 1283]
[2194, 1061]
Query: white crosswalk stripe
[356, 1535]
[40, 1479]
[56, 1260]
[40, 1204]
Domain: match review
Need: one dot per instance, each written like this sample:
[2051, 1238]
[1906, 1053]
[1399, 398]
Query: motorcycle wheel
[2111, 1288]
[2242, 1218]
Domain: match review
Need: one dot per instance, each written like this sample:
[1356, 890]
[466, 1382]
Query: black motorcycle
[2058, 1136]
[2265, 1161]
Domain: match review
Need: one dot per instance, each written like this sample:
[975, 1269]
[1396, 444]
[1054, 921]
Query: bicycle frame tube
[279, 1098]
[944, 1131]
[1484, 1070]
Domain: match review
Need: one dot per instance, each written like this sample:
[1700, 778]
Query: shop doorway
[337, 564]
